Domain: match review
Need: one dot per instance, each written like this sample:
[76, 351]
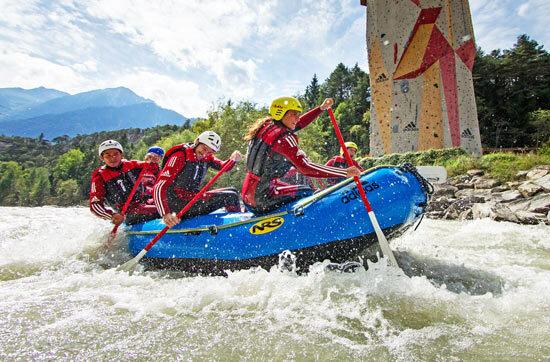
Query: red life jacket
[119, 182]
[339, 161]
[260, 159]
[149, 179]
[193, 173]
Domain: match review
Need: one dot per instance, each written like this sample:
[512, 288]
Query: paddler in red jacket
[112, 184]
[273, 149]
[340, 161]
[184, 170]
[154, 155]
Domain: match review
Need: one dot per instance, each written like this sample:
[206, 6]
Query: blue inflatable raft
[332, 224]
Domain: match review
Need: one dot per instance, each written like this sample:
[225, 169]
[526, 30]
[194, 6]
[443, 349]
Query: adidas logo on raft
[410, 127]
[381, 78]
[467, 134]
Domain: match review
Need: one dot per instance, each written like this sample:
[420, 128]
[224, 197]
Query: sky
[189, 55]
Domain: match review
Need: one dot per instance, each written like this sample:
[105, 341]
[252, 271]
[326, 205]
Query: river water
[472, 290]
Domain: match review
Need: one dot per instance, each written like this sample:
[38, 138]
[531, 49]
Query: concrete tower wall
[421, 54]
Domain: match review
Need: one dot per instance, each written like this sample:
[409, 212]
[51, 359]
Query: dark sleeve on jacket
[97, 197]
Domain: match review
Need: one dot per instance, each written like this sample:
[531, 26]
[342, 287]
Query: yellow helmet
[349, 145]
[281, 105]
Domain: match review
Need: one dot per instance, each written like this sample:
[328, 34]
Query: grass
[502, 166]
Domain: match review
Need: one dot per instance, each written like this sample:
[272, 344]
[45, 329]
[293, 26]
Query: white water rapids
[474, 290]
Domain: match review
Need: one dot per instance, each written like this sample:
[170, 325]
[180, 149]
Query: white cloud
[190, 33]
[88, 66]
[179, 95]
[523, 8]
[498, 23]
[23, 70]
[49, 31]
[241, 43]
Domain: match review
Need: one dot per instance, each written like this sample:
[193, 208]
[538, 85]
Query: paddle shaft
[129, 199]
[384, 245]
[186, 208]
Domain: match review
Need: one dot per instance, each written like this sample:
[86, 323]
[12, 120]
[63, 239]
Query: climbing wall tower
[421, 54]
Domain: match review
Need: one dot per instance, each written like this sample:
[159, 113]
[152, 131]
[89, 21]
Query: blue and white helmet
[109, 144]
[156, 150]
[211, 139]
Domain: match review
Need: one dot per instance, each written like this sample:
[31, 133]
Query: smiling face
[152, 157]
[112, 157]
[290, 119]
[352, 152]
[202, 151]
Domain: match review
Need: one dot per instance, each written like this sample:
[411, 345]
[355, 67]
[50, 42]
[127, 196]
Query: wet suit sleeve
[149, 166]
[332, 161]
[288, 147]
[217, 164]
[97, 198]
[307, 118]
[168, 174]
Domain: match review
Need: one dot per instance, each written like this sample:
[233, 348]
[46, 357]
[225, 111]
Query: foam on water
[68, 303]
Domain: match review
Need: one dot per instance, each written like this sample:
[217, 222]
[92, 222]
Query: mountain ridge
[58, 113]
[13, 100]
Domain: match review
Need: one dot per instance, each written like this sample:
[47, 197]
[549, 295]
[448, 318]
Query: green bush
[68, 193]
[545, 149]
[426, 158]
[504, 166]
[460, 164]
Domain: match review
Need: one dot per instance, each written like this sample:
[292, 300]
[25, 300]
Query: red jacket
[149, 179]
[272, 153]
[111, 186]
[181, 175]
[340, 162]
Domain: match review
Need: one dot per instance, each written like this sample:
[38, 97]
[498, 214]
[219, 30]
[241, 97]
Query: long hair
[255, 127]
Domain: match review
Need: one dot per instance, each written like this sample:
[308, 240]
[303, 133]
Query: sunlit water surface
[473, 290]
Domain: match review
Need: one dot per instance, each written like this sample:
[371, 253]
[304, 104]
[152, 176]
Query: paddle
[125, 206]
[130, 264]
[382, 241]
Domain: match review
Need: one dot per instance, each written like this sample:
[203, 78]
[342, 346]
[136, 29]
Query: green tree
[231, 121]
[181, 136]
[312, 93]
[539, 121]
[312, 141]
[350, 89]
[339, 84]
[38, 181]
[68, 193]
[509, 85]
[11, 175]
[69, 165]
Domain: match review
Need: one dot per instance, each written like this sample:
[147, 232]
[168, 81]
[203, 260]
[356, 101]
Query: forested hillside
[512, 93]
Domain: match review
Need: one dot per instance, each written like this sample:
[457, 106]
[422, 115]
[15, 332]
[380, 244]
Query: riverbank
[501, 186]
[477, 195]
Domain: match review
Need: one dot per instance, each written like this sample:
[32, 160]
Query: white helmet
[211, 139]
[109, 144]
